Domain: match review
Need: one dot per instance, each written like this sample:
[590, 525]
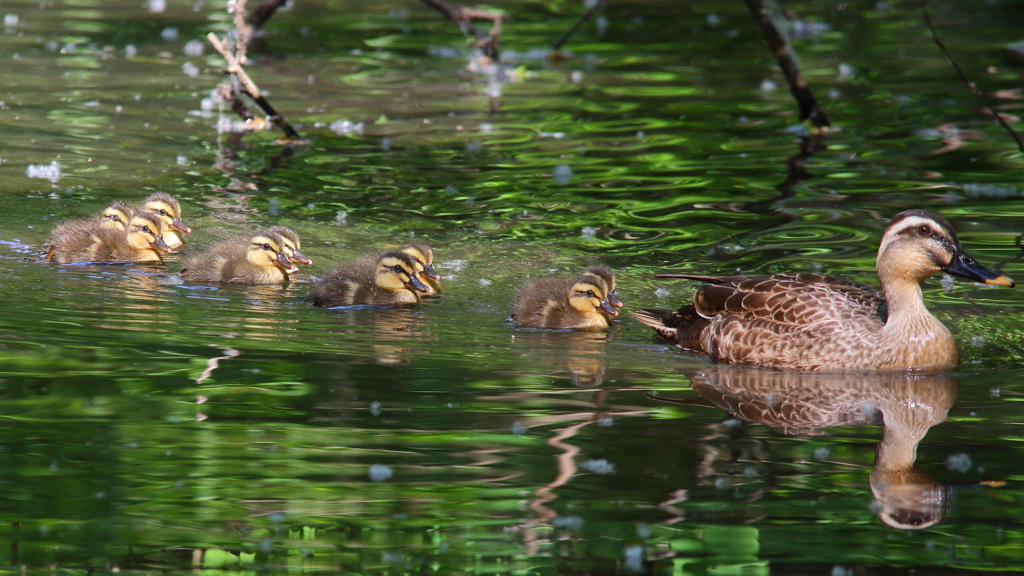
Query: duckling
[167, 207]
[563, 303]
[816, 322]
[605, 273]
[115, 216]
[424, 257]
[392, 280]
[140, 242]
[290, 244]
[258, 259]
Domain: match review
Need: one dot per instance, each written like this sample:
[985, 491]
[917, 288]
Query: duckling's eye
[924, 229]
[266, 246]
[398, 269]
[590, 293]
[163, 212]
[146, 229]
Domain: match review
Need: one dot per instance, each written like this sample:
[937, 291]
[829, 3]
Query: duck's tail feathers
[655, 319]
[684, 326]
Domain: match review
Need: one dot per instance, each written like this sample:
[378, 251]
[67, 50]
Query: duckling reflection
[906, 404]
[580, 353]
[392, 332]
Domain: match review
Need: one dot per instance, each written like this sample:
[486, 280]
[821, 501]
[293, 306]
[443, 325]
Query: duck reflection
[579, 353]
[907, 405]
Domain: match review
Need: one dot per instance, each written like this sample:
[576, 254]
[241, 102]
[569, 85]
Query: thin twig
[264, 11]
[487, 41]
[250, 88]
[572, 29]
[809, 108]
[974, 88]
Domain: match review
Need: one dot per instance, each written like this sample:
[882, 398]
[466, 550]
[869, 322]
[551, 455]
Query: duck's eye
[146, 229]
[590, 293]
[266, 246]
[163, 212]
[924, 229]
[398, 269]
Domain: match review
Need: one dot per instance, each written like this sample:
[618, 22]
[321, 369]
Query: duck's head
[606, 275]
[918, 243]
[169, 210]
[588, 295]
[424, 259]
[116, 215]
[290, 244]
[265, 249]
[144, 232]
[396, 270]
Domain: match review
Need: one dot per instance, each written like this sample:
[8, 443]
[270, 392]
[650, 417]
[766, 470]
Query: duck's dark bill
[283, 262]
[606, 307]
[415, 284]
[964, 266]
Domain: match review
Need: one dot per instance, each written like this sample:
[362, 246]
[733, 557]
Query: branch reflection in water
[906, 404]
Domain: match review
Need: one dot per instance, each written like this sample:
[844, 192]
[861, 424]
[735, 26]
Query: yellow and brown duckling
[114, 216]
[169, 210]
[391, 280]
[605, 273]
[564, 303]
[424, 258]
[139, 241]
[290, 244]
[257, 259]
[817, 322]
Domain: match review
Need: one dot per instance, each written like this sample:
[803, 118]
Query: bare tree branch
[973, 87]
[809, 108]
[572, 29]
[486, 41]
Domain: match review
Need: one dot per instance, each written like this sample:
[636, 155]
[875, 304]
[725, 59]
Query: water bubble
[341, 218]
[156, 6]
[947, 282]
[190, 70]
[519, 428]
[274, 207]
[959, 462]
[342, 127]
[562, 174]
[385, 144]
[169, 34]
[182, 160]
[995, 393]
[567, 522]
[634, 558]
[473, 148]
[130, 51]
[713, 20]
[485, 128]
[49, 171]
[834, 94]
[118, 108]
[11, 20]
[484, 282]
[846, 72]
[821, 453]
[375, 408]
[601, 24]
[601, 466]
[193, 48]
[588, 232]
[606, 421]
[661, 293]
[380, 473]
[977, 341]
[768, 86]
[51, 46]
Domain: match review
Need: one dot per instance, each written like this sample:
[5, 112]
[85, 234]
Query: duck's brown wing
[794, 299]
[788, 320]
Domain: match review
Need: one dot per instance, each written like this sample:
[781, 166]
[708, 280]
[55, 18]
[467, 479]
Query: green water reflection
[148, 424]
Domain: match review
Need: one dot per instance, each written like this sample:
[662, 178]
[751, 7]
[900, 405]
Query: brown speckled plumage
[817, 322]
[139, 241]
